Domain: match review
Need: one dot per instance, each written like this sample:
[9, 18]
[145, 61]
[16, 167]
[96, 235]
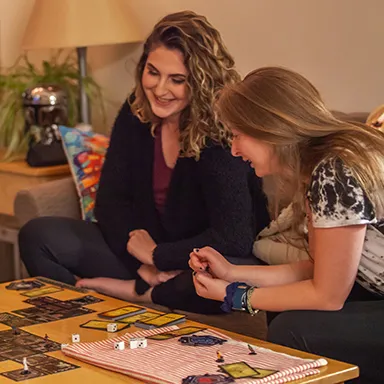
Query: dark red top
[161, 173]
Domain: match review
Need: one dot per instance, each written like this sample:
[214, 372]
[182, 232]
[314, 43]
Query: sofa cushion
[85, 152]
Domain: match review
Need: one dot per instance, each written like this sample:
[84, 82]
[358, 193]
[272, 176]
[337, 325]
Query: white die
[75, 338]
[119, 345]
[138, 342]
[112, 327]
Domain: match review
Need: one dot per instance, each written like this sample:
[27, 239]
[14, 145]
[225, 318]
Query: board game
[24, 344]
[168, 361]
[24, 347]
[52, 333]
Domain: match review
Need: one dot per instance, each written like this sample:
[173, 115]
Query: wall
[335, 43]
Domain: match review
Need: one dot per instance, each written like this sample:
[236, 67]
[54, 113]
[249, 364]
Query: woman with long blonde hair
[333, 173]
[168, 184]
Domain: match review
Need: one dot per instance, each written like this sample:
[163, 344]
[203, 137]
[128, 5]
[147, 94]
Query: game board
[25, 344]
[45, 309]
[15, 344]
[168, 361]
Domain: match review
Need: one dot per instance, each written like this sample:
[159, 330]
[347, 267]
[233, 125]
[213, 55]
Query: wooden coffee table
[62, 330]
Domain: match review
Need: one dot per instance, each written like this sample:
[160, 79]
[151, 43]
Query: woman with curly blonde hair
[333, 172]
[169, 182]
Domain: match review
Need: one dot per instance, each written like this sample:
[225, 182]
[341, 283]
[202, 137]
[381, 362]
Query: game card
[18, 374]
[15, 321]
[239, 370]
[42, 300]
[41, 291]
[27, 312]
[49, 365]
[140, 317]
[119, 313]
[102, 325]
[47, 302]
[187, 331]
[16, 352]
[263, 372]
[85, 300]
[79, 311]
[176, 333]
[162, 320]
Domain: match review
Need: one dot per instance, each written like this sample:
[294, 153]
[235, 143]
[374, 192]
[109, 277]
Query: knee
[288, 329]
[31, 235]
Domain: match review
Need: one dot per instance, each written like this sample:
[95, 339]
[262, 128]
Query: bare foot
[151, 275]
[83, 283]
[122, 289]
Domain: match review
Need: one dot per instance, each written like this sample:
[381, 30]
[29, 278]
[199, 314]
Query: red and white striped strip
[168, 362]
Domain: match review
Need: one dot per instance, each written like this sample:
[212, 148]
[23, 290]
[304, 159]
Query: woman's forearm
[273, 275]
[301, 295]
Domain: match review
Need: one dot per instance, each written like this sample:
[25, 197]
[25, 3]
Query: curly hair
[210, 68]
[282, 108]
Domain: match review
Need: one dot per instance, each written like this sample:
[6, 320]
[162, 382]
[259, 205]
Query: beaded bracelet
[249, 305]
[228, 300]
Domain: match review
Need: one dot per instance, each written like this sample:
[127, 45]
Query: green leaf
[60, 69]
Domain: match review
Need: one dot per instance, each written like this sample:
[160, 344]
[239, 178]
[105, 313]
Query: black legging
[60, 248]
[355, 334]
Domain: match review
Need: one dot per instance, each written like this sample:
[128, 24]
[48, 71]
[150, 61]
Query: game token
[15, 330]
[119, 345]
[137, 342]
[75, 338]
[47, 343]
[24, 285]
[251, 350]
[208, 379]
[112, 327]
[25, 367]
[220, 358]
[201, 340]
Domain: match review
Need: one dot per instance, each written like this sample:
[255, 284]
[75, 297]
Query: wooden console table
[14, 176]
[17, 175]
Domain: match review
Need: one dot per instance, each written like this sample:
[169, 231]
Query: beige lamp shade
[80, 23]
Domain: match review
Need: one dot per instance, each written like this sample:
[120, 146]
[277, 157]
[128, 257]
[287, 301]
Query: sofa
[59, 198]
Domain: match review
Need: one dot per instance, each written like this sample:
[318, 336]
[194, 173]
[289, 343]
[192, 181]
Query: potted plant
[59, 70]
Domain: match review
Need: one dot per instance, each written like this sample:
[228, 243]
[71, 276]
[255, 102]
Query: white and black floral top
[337, 199]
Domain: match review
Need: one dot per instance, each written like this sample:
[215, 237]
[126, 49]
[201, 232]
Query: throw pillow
[85, 152]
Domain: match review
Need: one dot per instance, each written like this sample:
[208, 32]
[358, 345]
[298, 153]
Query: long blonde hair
[210, 68]
[281, 107]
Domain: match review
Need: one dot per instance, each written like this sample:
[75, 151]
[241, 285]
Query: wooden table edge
[337, 374]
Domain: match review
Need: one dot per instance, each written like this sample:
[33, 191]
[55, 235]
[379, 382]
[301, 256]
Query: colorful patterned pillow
[85, 153]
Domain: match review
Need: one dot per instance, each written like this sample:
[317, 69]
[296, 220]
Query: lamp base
[84, 102]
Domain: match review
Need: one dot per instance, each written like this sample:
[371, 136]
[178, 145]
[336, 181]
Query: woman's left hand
[141, 246]
[209, 287]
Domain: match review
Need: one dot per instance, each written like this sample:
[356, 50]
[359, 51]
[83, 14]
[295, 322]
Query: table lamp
[80, 24]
